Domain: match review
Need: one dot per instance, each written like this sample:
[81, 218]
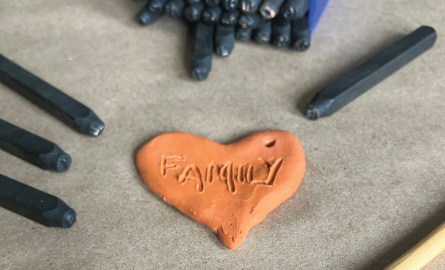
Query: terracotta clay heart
[228, 188]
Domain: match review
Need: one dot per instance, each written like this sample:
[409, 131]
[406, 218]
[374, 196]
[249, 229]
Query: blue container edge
[316, 10]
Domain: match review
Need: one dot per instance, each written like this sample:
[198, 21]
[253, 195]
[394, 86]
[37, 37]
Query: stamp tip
[63, 163]
[311, 114]
[223, 51]
[69, 219]
[301, 45]
[96, 128]
[200, 74]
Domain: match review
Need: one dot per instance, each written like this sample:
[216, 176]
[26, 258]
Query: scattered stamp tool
[359, 80]
[229, 188]
[55, 102]
[34, 204]
[32, 148]
[422, 253]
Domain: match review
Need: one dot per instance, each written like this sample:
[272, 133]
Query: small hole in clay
[270, 144]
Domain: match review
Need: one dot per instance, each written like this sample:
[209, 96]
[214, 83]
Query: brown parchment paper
[375, 178]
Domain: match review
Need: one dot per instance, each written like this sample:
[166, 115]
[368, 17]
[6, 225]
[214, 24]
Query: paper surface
[374, 183]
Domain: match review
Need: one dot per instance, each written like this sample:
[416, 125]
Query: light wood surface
[422, 253]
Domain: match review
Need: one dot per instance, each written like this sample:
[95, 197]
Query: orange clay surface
[228, 188]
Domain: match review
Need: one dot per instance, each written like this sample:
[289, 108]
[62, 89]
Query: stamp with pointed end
[55, 102]
[35, 204]
[32, 148]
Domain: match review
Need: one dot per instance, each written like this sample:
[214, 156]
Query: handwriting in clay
[165, 165]
[227, 173]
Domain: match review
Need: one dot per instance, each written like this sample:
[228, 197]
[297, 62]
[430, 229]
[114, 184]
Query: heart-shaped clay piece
[228, 188]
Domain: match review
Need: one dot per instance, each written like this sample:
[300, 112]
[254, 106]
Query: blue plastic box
[316, 9]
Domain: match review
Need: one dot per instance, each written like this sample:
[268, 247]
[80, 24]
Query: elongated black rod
[32, 148]
[149, 15]
[202, 51]
[52, 100]
[281, 32]
[301, 36]
[224, 39]
[357, 81]
[263, 33]
[34, 204]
